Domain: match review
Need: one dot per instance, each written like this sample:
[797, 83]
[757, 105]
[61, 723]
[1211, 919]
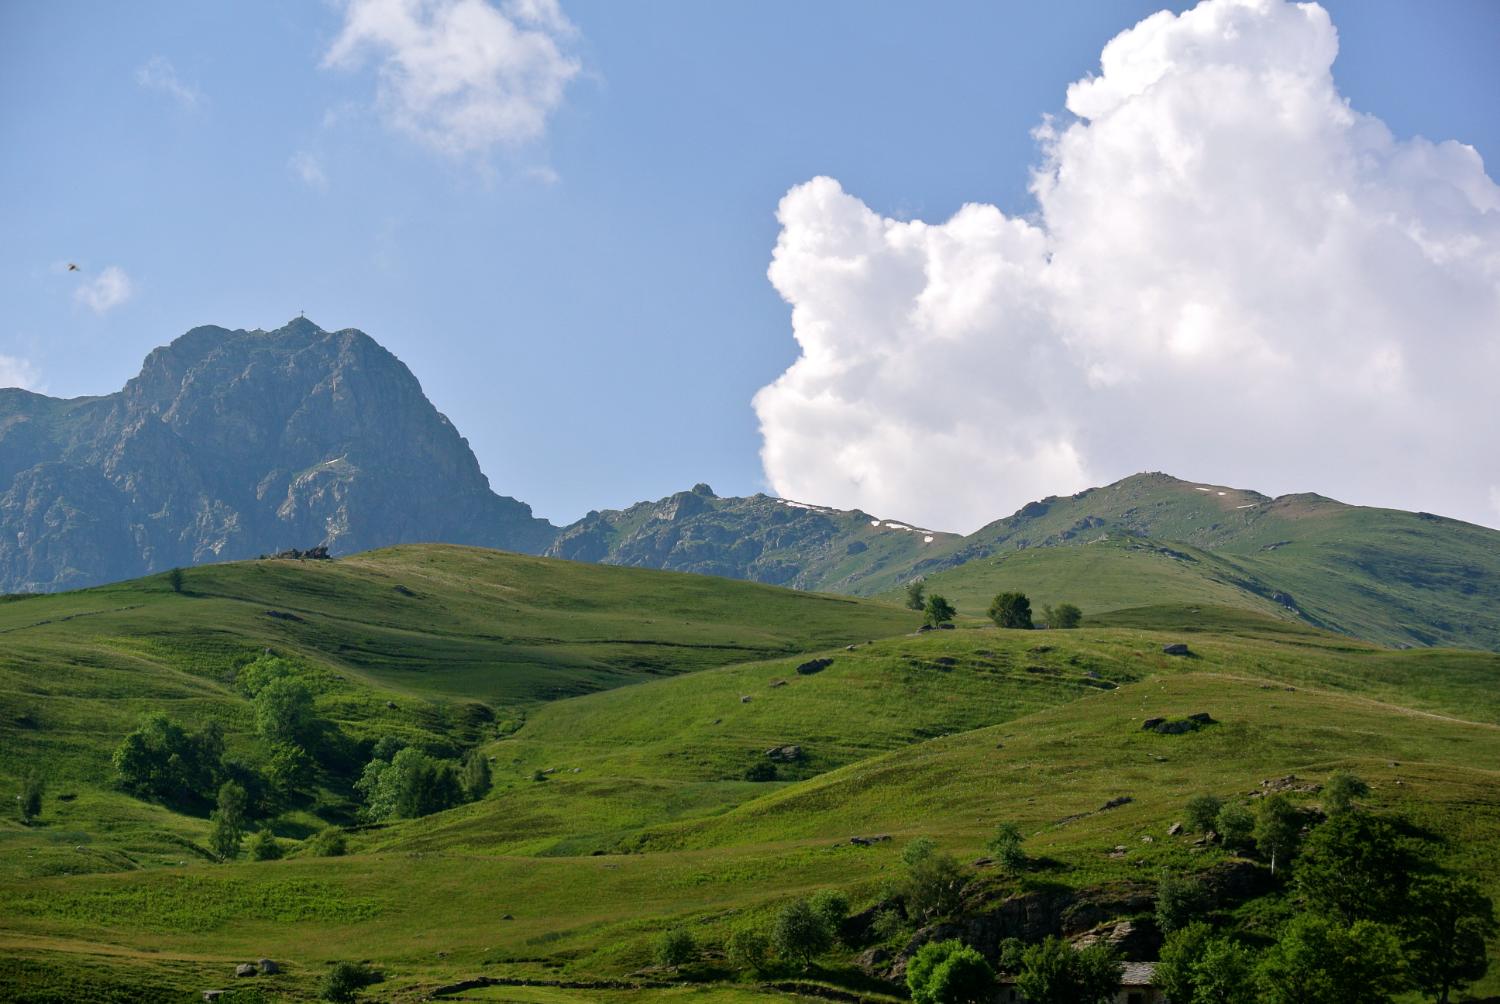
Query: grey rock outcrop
[231, 444]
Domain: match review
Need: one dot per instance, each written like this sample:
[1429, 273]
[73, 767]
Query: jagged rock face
[231, 444]
[759, 538]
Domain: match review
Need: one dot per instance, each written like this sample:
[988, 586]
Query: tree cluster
[1377, 918]
[1013, 610]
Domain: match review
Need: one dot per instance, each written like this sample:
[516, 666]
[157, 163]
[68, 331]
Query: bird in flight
[72, 267]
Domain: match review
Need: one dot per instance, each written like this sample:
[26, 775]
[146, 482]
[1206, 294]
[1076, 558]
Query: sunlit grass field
[624, 809]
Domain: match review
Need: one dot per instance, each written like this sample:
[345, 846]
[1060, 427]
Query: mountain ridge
[229, 444]
[232, 443]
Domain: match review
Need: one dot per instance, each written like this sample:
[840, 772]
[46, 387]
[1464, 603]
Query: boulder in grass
[1151, 723]
[812, 666]
[267, 967]
[1176, 648]
[246, 969]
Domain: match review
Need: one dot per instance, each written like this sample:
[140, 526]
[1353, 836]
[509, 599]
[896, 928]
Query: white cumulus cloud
[159, 75]
[462, 76]
[16, 372]
[105, 291]
[1232, 275]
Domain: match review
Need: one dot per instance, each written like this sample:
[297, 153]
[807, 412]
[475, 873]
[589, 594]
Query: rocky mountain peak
[230, 443]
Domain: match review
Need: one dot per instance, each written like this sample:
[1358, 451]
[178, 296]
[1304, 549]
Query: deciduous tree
[1011, 610]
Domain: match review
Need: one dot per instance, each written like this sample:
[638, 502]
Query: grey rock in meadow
[267, 967]
[1176, 648]
[246, 969]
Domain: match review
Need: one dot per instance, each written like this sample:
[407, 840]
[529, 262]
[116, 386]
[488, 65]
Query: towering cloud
[1232, 275]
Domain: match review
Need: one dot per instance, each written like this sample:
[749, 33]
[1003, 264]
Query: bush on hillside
[162, 760]
[411, 784]
[1203, 812]
[800, 934]
[1064, 616]
[229, 820]
[761, 770]
[1278, 827]
[29, 799]
[1341, 791]
[748, 950]
[916, 595]
[264, 846]
[1006, 847]
[934, 881]
[476, 777]
[939, 610]
[832, 908]
[1444, 930]
[1235, 825]
[1054, 972]
[1180, 900]
[344, 982]
[1317, 958]
[949, 972]
[1011, 610]
[328, 843]
[676, 948]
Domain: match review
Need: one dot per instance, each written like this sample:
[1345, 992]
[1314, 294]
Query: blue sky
[590, 305]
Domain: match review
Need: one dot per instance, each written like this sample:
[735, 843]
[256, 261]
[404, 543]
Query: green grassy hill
[434, 643]
[1396, 578]
[620, 742]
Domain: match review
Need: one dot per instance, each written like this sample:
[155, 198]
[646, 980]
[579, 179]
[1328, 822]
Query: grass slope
[943, 734]
[407, 641]
[1392, 577]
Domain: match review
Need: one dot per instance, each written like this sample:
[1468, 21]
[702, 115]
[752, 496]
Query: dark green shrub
[1054, 972]
[29, 800]
[1011, 610]
[1064, 616]
[1006, 848]
[939, 610]
[916, 595]
[748, 950]
[329, 843]
[228, 821]
[1180, 900]
[1341, 791]
[1236, 826]
[1203, 812]
[162, 760]
[676, 948]
[344, 982]
[761, 770]
[265, 847]
[1323, 960]
[800, 934]
[949, 972]
[477, 780]
[832, 907]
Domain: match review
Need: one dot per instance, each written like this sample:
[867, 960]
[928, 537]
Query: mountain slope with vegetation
[760, 538]
[626, 752]
[1387, 576]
